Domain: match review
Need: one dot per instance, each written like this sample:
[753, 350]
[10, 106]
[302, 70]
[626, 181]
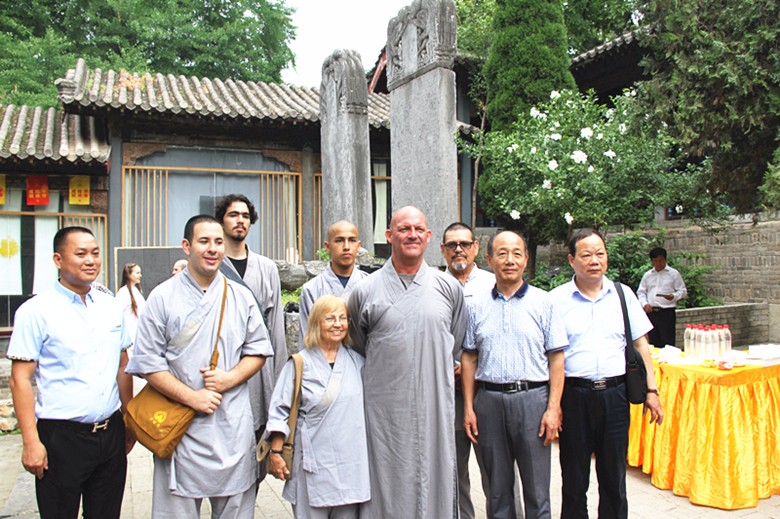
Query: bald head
[407, 212]
[409, 237]
[343, 245]
[340, 227]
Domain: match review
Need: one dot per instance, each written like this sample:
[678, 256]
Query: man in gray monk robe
[408, 319]
[339, 277]
[236, 213]
[176, 336]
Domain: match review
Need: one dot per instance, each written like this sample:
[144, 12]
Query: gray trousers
[302, 509]
[165, 505]
[508, 426]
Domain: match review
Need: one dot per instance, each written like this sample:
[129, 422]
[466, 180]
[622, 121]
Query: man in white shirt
[660, 289]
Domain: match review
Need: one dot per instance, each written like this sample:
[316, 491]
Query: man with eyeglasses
[407, 319]
[339, 277]
[459, 247]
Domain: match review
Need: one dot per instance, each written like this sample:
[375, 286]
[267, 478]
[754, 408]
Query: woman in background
[130, 298]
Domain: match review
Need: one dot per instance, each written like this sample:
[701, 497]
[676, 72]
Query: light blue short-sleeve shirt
[597, 338]
[513, 336]
[77, 348]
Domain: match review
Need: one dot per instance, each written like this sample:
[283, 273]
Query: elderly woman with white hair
[330, 465]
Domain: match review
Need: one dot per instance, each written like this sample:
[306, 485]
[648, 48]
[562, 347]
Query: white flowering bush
[570, 162]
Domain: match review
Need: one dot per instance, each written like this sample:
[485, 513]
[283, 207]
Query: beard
[460, 267]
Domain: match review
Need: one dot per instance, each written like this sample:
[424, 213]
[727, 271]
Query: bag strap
[215, 353]
[626, 324]
[296, 398]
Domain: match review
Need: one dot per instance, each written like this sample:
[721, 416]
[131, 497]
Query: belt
[596, 385]
[661, 309]
[86, 427]
[512, 387]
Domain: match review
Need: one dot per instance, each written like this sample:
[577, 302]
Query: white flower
[556, 124]
[547, 184]
[586, 133]
[553, 164]
[622, 127]
[611, 154]
[535, 113]
[569, 218]
[600, 136]
[543, 116]
[512, 148]
[579, 157]
[679, 209]
[555, 136]
[609, 113]
[555, 94]
[515, 214]
[591, 169]
[533, 150]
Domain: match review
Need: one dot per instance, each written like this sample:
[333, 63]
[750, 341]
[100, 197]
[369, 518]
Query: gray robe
[408, 337]
[262, 278]
[330, 464]
[325, 283]
[176, 333]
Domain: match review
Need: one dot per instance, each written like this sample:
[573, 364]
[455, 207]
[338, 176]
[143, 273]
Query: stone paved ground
[17, 495]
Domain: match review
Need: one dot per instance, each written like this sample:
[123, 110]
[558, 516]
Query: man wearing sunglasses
[459, 247]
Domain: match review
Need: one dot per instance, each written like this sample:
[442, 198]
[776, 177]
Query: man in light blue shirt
[513, 352]
[595, 405]
[71, 339]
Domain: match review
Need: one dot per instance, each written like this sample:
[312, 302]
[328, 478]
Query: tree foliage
[715, 71]
[592, 22]
[528, 58]
[41, 39]
[570, 162]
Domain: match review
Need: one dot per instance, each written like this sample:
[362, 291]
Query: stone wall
[749, 322]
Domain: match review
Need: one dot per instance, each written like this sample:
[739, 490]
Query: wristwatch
[649, 391]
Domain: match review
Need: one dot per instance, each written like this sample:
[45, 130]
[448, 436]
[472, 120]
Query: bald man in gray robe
[408, 319]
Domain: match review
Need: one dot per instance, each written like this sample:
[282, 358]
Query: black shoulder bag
[636, 371]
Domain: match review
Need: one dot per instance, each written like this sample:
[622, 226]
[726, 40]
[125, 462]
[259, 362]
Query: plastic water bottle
[699, 341]
[727, 338]
[687, 348]
[710, 343]
[721, 341]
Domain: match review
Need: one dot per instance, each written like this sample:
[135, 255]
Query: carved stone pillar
[346, 162]
[421, 43]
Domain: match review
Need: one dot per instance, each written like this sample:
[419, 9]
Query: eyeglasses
[333, 319]
[453, 245]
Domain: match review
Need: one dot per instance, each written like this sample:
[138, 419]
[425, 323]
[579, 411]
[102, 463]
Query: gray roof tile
[47, 133]
[247, 100]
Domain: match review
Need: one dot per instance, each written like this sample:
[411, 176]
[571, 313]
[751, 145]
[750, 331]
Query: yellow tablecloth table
[719, 444]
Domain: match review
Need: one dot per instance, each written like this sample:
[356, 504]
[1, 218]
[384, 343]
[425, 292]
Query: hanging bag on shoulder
[264, 447]
[158, 422]
[636, 371]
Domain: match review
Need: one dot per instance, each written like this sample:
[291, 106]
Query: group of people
[404, 370]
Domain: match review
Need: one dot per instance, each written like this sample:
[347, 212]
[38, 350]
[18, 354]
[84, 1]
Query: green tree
[570, 162]
[527, 60]
[715, 70]
[592, 22]
[41, 39]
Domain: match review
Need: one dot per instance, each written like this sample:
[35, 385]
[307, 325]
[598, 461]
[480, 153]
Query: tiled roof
[47, 133]
[616, 45]
[235, 99]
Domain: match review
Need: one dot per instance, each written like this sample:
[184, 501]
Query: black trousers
[663, 321]
[594, 422]
[92, 465]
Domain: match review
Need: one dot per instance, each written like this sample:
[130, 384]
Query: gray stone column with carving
[421, 43]
[346, 163]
